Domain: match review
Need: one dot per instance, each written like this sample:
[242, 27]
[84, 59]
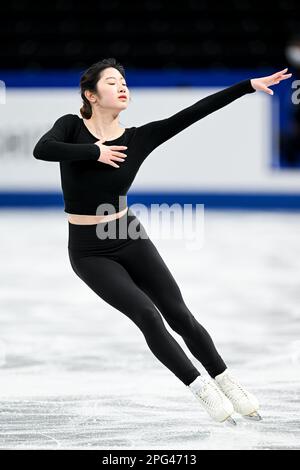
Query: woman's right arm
[54, 146]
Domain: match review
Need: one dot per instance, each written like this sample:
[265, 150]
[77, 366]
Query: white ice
[77, 373]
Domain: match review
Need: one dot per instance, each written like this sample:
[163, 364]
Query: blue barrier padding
[227, 201]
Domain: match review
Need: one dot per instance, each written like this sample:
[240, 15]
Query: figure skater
[127, 271]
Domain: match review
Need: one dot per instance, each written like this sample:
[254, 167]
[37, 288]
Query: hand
[263, 83]
[108, 153]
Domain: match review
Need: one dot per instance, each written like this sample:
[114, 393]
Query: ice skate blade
[230, 421]
[253, 416]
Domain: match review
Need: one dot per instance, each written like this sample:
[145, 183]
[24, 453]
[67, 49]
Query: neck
[104, 125]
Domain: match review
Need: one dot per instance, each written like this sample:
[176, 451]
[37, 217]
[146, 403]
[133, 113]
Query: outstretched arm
[54, 146]
[154, 133]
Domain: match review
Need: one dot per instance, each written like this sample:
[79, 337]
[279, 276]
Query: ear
[90, 96]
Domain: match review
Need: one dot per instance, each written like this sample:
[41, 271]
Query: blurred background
[173, 56]
[85, 382]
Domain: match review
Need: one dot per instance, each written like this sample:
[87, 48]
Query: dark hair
[89, 79]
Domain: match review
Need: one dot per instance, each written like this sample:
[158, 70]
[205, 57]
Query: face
[110, 86]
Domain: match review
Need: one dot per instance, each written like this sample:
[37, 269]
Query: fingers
[269, 91]
[116, 155]
[282, 72]
[119, 154]
[277, 79]
[284, 77]
[114, 158]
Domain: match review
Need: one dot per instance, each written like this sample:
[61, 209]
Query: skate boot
[244, 402]
[213, 399]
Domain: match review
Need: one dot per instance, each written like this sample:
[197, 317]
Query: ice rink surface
[78, 374]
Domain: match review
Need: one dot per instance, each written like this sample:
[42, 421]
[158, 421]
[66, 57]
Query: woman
[98, 162]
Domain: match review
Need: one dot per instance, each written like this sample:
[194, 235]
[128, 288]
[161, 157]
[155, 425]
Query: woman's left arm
[151, 135]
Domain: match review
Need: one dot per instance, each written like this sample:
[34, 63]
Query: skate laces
[210, 393]
[232, 386]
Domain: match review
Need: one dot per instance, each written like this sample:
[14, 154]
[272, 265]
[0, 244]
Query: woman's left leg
[145, 265]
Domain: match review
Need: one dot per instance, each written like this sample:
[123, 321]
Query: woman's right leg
[112, 282]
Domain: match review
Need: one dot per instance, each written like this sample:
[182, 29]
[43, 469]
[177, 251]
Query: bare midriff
[94, 219]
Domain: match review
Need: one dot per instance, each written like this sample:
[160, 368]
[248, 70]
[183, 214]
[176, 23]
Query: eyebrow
[121, 78]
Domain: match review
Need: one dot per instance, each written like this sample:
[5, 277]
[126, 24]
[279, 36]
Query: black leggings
[130, 275]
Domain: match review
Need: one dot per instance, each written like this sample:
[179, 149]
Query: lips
[123, 96]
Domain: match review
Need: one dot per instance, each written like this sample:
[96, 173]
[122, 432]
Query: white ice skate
[213, 399]
[244, 402]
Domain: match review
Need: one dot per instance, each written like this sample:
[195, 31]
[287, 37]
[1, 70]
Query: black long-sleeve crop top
[88, 183]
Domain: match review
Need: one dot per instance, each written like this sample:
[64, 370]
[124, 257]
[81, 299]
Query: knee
[180, 318]
[150, 318]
